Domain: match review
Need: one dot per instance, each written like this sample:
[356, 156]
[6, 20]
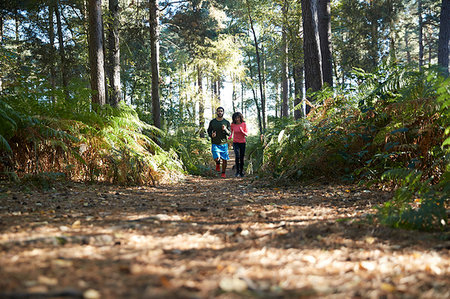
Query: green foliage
[194, 152]
[388, 131]
[70, 137]
[255, 153]
[417, 204]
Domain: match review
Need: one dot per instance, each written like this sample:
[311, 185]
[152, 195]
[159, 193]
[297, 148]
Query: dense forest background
[121, 91]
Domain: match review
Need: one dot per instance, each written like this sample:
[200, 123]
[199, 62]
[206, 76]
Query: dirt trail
[212, 238]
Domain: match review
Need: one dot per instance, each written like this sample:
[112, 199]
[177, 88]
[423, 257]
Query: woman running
[239, 133]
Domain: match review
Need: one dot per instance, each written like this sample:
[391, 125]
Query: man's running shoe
[223, 175]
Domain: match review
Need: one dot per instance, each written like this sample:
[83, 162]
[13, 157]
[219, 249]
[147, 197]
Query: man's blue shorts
[220, 151]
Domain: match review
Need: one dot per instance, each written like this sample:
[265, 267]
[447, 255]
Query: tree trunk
[242, 100]
[444, 36]
[420, 34]
[264, 83]
[213, 97]
[51, 36]
[154, 47]
[181, 104]
[312, 57]
[64, 67]
[96, 57]
[17, 25]
[258, 60]
[429, 42]
[298, 86]
[284, 63]
[392, 13]
[218, 87]
[114, 54]
[324, 17]
[1, 43]
[201, 103]
[296, 56]
[234, 94]
[258, 110]
[374, 39]
[408, 51]
[255, 98]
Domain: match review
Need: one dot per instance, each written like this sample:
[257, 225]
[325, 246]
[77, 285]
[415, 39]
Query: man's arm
[227, 129]
[210, 130]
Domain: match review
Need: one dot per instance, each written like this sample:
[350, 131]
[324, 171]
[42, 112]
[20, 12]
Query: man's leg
[216, 156]
[224, 165]
[217, 164]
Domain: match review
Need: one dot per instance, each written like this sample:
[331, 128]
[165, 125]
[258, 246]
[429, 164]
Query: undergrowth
[390, 131]
[194, 151]
[48, 133]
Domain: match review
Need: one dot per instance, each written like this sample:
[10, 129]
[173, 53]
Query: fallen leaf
[91, 294]
[165, 282]
[370, 240]
[76, 224]
[233, 284]
[387, 287]
[368, 266]
[47, 280]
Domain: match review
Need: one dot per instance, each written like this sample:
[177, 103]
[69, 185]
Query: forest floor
[212, 238]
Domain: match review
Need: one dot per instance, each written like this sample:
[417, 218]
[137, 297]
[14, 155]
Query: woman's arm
[244, 129]
[232, 132]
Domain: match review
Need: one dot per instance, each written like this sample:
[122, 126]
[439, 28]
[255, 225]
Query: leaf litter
[212, 238]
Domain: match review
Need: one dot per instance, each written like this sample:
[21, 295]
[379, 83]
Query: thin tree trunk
[444, 36]
[298, 86]
[181, 103]
[408, 51]
[154, 48]
[324, 17]
[258, 60]
[218, 86]
[296, 56]
[258, 110]
[51, 35]
[373, 48]
[114, 54]
[284, 63]
[213, 95]
[1, 44]
[62, 54]
[392, 33]
[429, 42]
[242, 100]
[263, 96]
[96, 57]
[255, 98]
[420, 34]
[312, 57]
[233, 95]
[201, 103]
[17, 25]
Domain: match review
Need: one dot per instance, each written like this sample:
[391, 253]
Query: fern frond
[4, 145]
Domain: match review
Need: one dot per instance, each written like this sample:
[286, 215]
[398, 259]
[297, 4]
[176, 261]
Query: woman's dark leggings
[239, 152]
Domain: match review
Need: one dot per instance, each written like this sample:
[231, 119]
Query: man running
[219, 130]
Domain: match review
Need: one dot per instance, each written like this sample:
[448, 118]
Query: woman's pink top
[239, 132]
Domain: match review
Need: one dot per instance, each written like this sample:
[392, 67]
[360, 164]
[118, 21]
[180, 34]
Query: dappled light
[165, 240]
[224, 149]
